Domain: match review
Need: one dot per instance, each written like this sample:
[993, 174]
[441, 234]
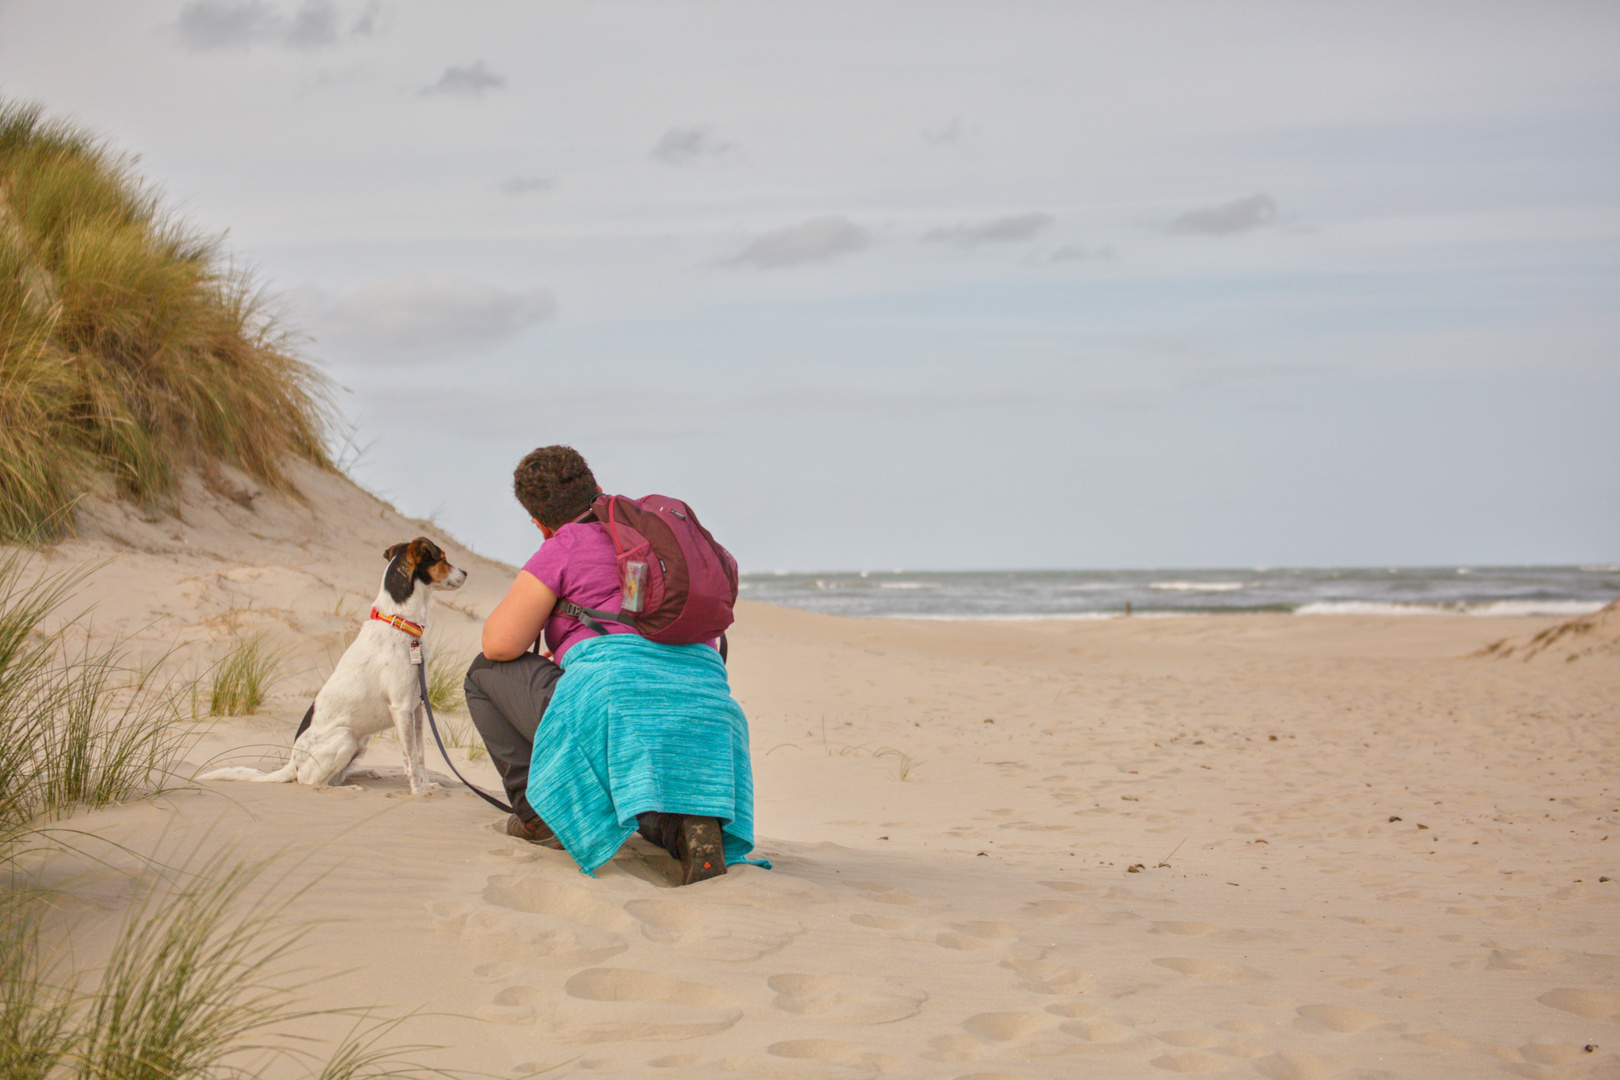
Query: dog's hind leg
[408, 724]
[324, 759]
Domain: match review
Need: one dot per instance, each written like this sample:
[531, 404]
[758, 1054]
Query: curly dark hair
[554, 485]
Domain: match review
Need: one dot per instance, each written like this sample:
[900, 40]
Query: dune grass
[241, 680]
[130, 347]
[200, 984]
[79, 725]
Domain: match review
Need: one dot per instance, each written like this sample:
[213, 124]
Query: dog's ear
[398, 579]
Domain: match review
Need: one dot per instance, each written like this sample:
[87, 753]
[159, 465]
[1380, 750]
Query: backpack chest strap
[592, 619]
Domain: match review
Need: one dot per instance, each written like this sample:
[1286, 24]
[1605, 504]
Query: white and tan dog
[374, 683]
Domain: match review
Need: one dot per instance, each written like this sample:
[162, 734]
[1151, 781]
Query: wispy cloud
[525, 185]
[468, 80]
[423, 318]
[206, 25]
[366, 24]
[950, 133]
[1002, 230]
[1240, 215]
[816, 240]
[677, 146]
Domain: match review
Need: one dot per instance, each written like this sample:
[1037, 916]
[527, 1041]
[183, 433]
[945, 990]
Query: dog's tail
[284, 775]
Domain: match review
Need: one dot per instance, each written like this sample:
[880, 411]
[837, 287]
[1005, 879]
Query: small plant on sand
[904, 760]
[242, 679]
[445, 674]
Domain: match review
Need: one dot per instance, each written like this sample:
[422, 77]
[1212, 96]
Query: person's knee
[480, 663]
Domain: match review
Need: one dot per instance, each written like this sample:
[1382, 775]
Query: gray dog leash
[421, 680]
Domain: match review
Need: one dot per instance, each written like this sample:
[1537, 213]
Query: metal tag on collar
[416, 651]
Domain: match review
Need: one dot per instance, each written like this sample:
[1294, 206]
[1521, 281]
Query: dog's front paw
[427, 788]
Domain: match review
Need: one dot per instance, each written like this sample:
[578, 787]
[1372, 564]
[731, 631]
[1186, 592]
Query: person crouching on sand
[607, 734]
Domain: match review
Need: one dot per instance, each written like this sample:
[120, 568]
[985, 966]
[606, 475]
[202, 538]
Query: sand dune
[1250, 846]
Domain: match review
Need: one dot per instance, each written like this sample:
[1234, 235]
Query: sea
[1098, 594]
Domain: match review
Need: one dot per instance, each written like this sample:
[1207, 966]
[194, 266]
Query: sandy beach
[1238, 846]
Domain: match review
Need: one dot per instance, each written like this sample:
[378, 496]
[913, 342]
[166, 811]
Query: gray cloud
[313, 25]
[423, 318]
[1081, 253]
[471, 80]
[1002, 230]
[677, 146]
[524, 185]
[815, 240]
[205, 25]
[1241, 215]
[945, 136]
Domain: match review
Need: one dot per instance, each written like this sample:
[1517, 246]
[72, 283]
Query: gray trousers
[507, 699]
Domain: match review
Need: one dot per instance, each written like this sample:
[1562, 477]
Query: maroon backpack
[678, 586]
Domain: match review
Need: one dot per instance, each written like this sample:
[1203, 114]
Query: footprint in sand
[1005, 1026]
[505, 935]
[541, 896]
[1211, 971]
[845, 1000]
[1530, 959]
[1592, 1004]
[1183, 929]
[1099, 1030]
[605, 1004]
[1058, 909]
[1200, 1040]
[513, 1005]
[1295, 1065]
[879, 922]
[1552, 1053]
[1338, 1018]
[974, 935]
[883, 894]
[713, 932]
[867, 1062]
[1439, 1039]
[1192, 1061]
[1045, 977]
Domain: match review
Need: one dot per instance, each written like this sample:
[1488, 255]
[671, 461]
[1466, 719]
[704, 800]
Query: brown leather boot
[534, 831]
[700, 847]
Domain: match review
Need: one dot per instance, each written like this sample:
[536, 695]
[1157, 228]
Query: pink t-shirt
[578, 564]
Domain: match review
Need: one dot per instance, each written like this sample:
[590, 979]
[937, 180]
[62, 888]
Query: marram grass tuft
[130, 348]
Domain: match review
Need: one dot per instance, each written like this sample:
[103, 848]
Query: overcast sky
[923, 285]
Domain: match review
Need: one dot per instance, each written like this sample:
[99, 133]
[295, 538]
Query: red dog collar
[398, 623]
